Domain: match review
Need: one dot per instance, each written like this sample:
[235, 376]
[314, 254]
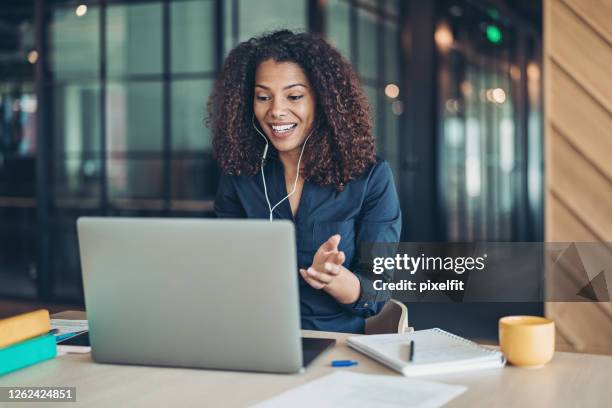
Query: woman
[293, 138]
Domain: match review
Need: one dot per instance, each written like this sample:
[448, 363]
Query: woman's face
[284, 104]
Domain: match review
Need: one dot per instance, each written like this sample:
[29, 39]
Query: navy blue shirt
[366, 211]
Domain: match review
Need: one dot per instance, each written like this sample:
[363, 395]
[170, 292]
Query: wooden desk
[570, 380]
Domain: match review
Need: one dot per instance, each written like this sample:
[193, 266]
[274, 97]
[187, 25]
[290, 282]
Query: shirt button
[365, 305]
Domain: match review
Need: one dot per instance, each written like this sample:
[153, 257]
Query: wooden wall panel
[575, 181]
[584, 327]
[568, 227]
[597, 13]
[581, 51]
[585, 123]
[578, 143]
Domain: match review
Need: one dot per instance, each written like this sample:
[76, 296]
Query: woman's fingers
[328, 247]
[337, 257]
[311, 281]
[321, 277]
[318, 279]
[332, 268]
[326, 265]
[331, 244]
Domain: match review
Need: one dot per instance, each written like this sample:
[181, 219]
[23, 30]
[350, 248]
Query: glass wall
[490, 144]
[125, 91]
[18, 107]
[367, 33]
[128, 82]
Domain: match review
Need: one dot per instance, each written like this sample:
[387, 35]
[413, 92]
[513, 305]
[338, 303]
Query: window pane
[478, 149]
[368, 57]
[188, 112]
[256, 17]
[338, 28]
[17, 176]
[194, 179]
[391, 52]
[134, 116]
[18, 107]
[64, 262]
[392, 135]
[134, 39]
[75, 43]
[228, 27]
[371, 3]
[391, 7]
[76, 181]
[76, 118]
[17, 39]
[18, 248]
[135, 177]
[193, 36]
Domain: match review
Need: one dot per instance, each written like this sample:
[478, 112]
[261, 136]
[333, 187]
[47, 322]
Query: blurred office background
[102, 106]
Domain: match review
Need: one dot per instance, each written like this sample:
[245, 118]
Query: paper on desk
[64, 326]
[353, 390]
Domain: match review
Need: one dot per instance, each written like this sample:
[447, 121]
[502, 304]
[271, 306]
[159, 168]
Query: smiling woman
[296, 93]
[342, 129]
[284, 103]
[285, 107]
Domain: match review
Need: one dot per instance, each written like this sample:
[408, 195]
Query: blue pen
[343, 363]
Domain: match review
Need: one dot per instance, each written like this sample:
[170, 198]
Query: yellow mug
[527, 341]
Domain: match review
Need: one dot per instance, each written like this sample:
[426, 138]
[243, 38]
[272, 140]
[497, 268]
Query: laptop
[201, 293]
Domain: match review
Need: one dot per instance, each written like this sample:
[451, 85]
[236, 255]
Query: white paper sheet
[352, 390]
[64, 326]
[63, 350]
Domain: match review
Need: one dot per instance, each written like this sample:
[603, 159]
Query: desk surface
[569, 380]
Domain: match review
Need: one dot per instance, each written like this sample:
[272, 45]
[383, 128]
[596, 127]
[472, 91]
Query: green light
[494, 34]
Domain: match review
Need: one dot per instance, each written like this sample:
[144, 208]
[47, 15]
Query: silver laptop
[203, 293]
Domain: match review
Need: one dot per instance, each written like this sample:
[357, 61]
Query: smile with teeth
[280, 129]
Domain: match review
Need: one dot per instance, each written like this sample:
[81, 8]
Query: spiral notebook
[435, 352]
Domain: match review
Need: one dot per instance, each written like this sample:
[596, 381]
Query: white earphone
[263, 177]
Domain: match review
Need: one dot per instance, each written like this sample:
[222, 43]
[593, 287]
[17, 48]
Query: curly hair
[342, 129]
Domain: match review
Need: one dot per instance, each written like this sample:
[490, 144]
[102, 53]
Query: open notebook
[435, 351]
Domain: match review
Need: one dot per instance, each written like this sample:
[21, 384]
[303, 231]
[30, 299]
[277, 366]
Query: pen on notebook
[343, 363]
[411, 355]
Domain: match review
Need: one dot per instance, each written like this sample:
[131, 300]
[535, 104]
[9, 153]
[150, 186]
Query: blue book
[27, 352]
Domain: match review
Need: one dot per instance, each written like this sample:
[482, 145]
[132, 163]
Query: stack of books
[25, 340]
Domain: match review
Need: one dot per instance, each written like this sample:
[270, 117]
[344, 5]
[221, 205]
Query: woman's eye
[263, 98]
[296, 97]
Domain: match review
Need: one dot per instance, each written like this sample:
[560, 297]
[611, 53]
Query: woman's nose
[278, 109]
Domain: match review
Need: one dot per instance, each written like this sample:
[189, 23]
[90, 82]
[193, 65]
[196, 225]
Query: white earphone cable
[263, 159]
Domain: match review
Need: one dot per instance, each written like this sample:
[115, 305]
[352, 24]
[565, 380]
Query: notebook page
[64, 326]
[431, 348]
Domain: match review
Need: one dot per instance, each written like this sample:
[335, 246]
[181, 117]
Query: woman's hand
[327, 273]
[326, 264]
